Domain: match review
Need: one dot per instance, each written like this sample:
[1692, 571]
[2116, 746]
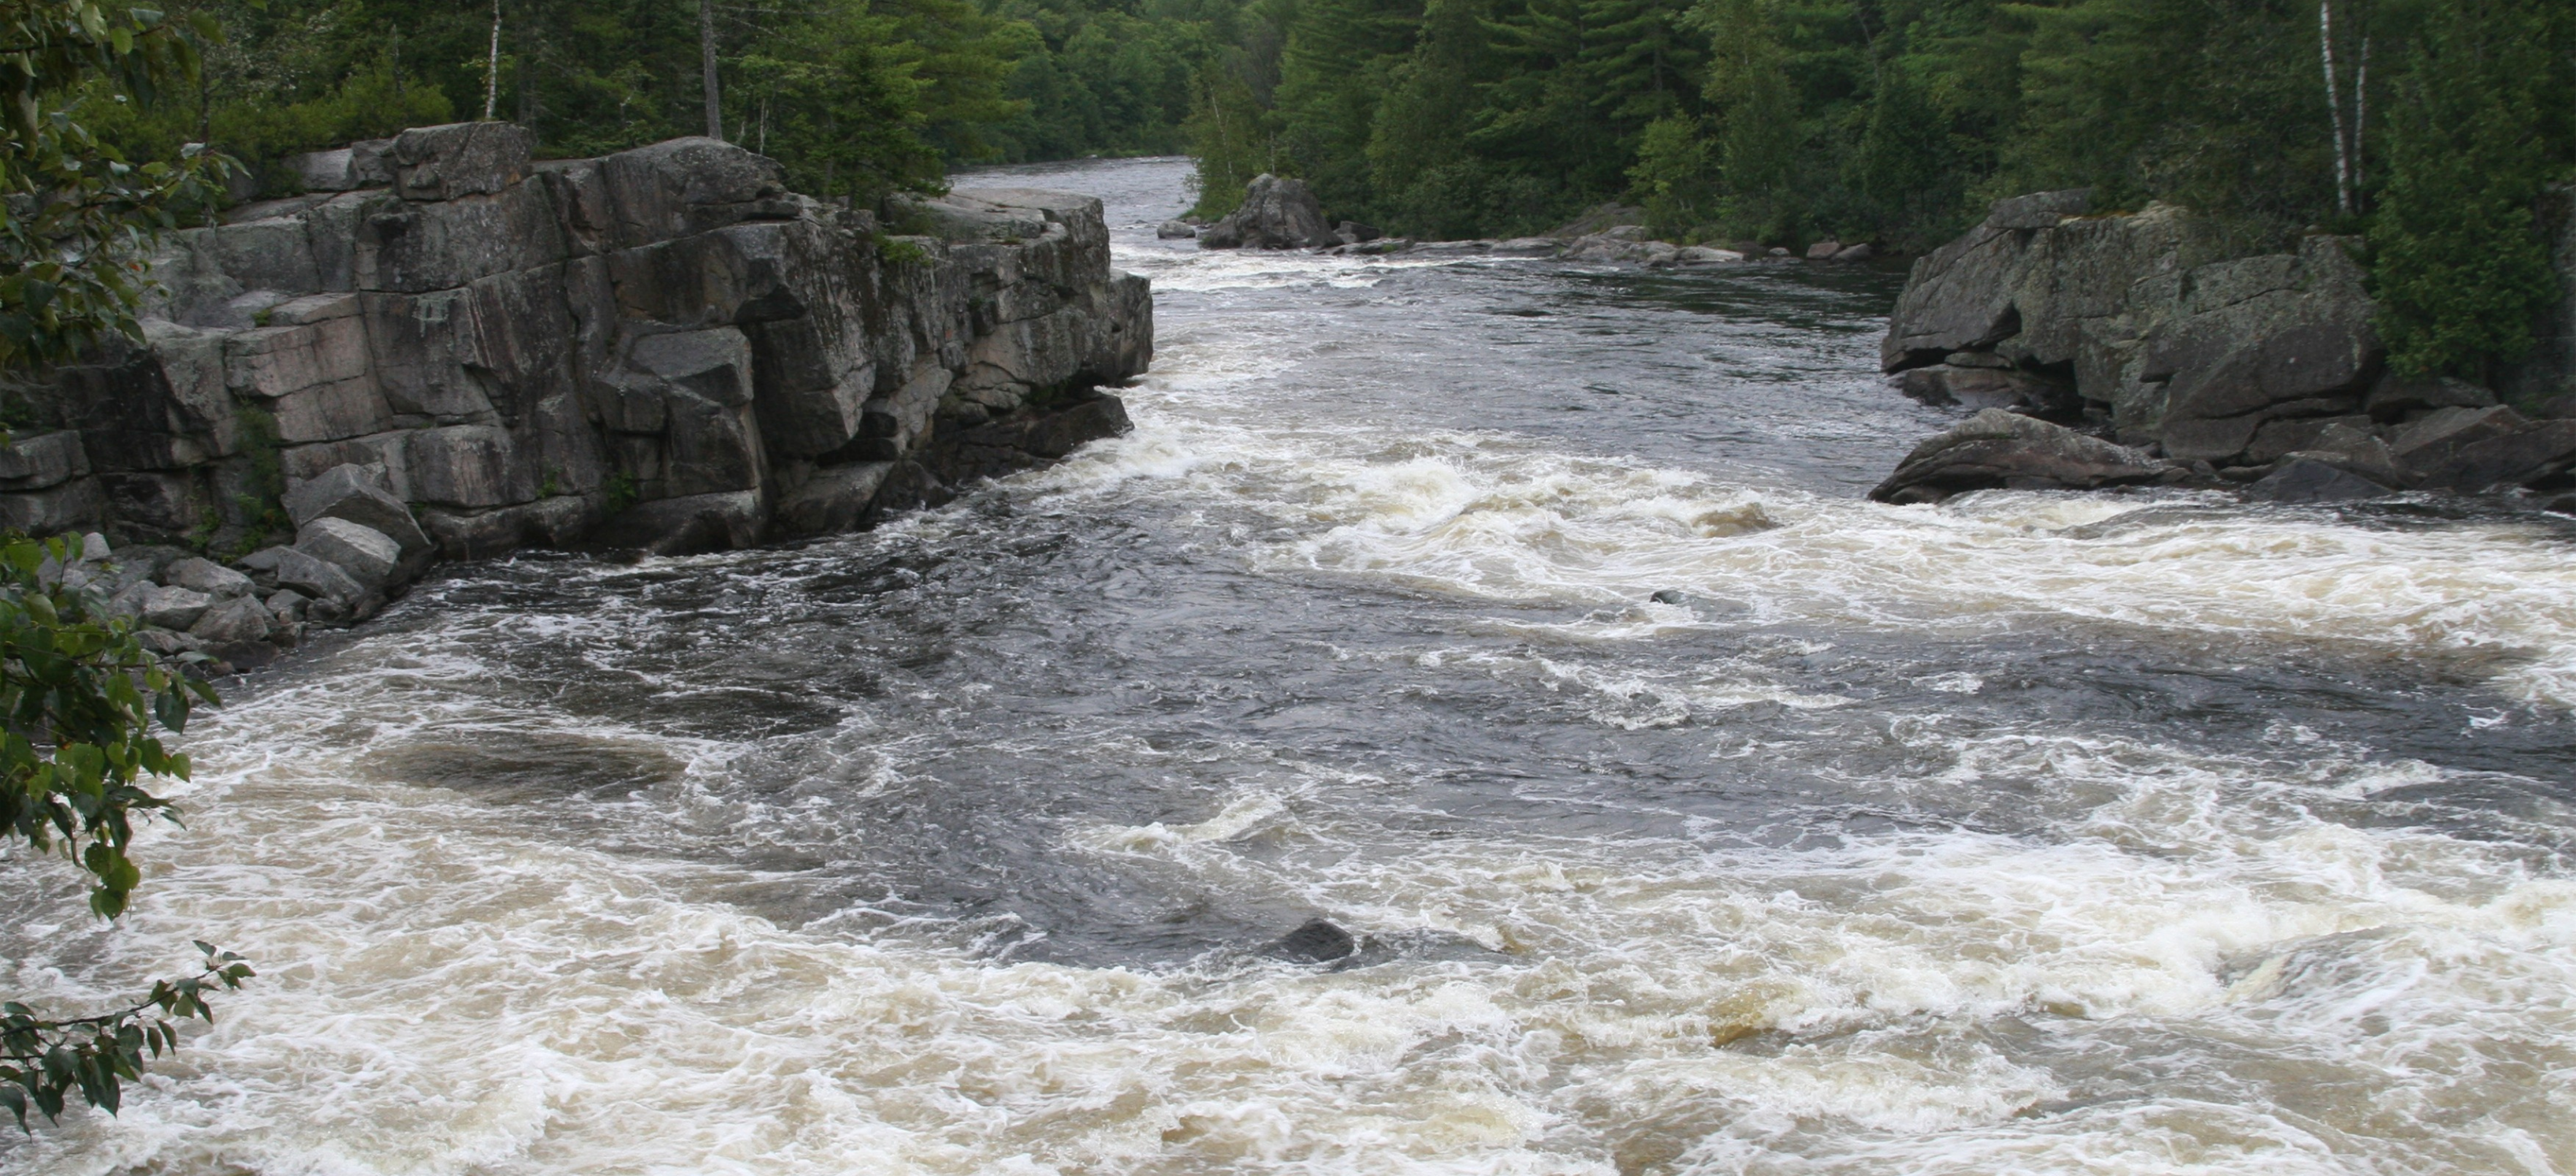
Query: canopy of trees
[2432, 126]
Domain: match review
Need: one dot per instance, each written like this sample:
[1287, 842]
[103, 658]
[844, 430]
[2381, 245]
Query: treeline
[854, 96]
[2432, 126]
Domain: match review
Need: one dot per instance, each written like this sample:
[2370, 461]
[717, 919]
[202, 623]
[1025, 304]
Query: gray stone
[2356, 451]
[317, 577]
[345, 169]
[458, 159]
[77, 503]
[2528, 452]
[1172, 230]
[836, 498]
[206, 576]
[2396, 396]
[41, 461]
[1996, 448]
[93, 548]
[1824, 250]
[2302, 481]
[237, 620]
[2275, 438]
[2039, 210]
[2008, 388]
[684, 526]
[366, 554]
[1860, 252]
[687, 186]
[465, 465]
[358, 494]
[1548, 247]
[2427, 444]
[169, 608]
[288, 605]
[713, 364]
[1276, 213]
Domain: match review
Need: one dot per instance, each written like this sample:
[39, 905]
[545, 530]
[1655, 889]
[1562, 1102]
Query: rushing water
[2032, 833]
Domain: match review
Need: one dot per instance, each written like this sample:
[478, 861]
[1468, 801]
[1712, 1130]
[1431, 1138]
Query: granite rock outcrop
[662, 349]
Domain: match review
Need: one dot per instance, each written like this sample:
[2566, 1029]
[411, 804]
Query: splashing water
[1694, 815]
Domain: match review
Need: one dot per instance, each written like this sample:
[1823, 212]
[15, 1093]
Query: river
[1695, 814]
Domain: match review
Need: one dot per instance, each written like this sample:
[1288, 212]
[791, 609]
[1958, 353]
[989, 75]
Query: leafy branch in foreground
[80, 695]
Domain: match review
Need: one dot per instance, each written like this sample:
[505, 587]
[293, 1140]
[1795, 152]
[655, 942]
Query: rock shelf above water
[662, 349]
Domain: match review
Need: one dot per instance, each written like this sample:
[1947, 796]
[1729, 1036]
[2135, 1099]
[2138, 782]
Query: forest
[2428, 127]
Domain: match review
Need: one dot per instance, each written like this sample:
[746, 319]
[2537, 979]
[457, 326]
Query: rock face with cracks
[2204, 369]
[659, 349]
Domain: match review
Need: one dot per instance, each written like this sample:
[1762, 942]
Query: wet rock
[1700, 255]
[207, 576]
[1526, 247]
[2429, 443]
[1860, 252]
[1317, 941]
[2531, 452]
[2302, 481]
[288, 606]
[689, 525]
[1670, 596]
[1276, 213]
[1172, 230]
[2355, 451]
[367, 555]
[1824, 250]
[1998, 449]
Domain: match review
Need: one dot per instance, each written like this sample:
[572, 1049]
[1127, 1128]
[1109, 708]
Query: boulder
[2395, 397]
[2526, 453]
[167, 607]
[42, 461]
[458, 159]
[2028, 393]
[1316, 941]
[2000, 449]
[1860, 252]
[317, 578]
[1699, 255]
[346, 169]
[238, 620]
[2427, 444]
[366, 554]
[2302, 481]
[358, 494]
[1527, 247]
[204, 575]
[836, 498]
[2355, 451]
[689, 525]
[2275, 438]
[1276, 213]
[1172, 230]
[1824, 250]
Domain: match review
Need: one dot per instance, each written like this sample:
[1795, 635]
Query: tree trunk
[2360, 119]
[2334, 107]
[707, 67]
[492, 68]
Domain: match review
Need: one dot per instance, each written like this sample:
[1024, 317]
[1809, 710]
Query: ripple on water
[1694, 815]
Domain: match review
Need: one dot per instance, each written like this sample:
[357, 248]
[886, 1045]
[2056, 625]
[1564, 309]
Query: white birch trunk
[492, 68]
[2334, 106]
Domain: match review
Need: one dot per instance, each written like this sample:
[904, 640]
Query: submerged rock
[1317, 941]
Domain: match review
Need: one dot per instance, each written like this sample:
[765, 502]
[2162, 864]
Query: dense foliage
[2433, 126]
[79, 695]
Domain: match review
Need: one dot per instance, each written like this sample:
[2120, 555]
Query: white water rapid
[1695, 815]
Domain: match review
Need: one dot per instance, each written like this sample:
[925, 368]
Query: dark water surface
[2031, 833]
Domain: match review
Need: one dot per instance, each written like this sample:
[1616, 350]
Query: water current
[1695, 814]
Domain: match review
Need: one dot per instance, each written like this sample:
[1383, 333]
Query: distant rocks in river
[1277, 213]
[1317, 941]
[2135, 332]
[1173, 230]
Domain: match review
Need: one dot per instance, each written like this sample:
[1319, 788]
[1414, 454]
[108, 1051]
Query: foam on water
[1953, 941]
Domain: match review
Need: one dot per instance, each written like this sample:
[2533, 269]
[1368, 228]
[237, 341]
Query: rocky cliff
[662, 349]
[2203, 369]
